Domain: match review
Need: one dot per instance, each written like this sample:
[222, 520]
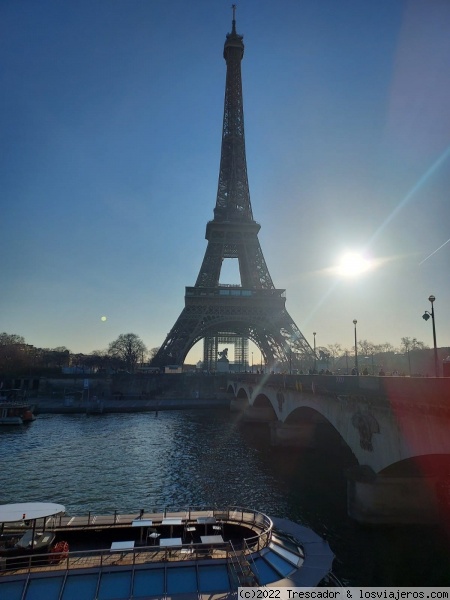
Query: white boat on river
[15, 408]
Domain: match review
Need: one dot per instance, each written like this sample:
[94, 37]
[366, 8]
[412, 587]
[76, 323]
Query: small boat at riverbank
[14, 408]
[195, 552]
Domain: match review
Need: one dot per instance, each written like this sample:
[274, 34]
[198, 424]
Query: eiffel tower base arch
[238, 315]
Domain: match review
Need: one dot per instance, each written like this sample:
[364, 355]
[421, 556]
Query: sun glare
[352, 264]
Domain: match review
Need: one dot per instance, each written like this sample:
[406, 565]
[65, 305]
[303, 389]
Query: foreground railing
[242, 567]
[94, 520]
[88, 559]
[236, 514]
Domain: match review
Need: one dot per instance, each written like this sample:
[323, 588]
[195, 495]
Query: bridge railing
[426, 390]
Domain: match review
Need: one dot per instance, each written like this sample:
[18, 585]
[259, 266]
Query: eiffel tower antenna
[254, 310]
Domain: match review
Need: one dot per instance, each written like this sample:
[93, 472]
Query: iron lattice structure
[254, 310]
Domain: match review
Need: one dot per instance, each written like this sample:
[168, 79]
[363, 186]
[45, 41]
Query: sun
[352, 264]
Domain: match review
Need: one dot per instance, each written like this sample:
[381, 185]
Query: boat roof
[10, 513]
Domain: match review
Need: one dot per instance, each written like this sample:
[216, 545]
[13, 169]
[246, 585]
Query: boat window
[288, 542]
[292, 557]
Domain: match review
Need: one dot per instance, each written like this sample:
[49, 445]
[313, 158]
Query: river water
[126, 462]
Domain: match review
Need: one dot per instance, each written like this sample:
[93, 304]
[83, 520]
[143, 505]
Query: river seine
[126, 462]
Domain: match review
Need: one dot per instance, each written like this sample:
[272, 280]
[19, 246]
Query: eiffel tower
[255, 309]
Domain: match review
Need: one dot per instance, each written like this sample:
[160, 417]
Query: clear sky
[111, 120]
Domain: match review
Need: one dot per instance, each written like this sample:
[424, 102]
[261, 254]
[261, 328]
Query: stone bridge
[397, 428]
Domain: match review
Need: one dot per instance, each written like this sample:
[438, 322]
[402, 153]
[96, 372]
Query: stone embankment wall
[128, 405]
[130, 393]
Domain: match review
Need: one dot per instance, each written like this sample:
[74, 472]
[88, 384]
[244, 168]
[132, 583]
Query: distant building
[172, 369]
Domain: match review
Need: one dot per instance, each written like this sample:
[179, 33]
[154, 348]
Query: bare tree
[129, 348]
[366, 348]
[14, 352]
[406, 344]
[386, 347]
[323, 355]
[417, 345]
[9, 339]
[334, 351]
[153, 352]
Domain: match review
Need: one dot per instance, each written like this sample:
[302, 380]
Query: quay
[125, 404]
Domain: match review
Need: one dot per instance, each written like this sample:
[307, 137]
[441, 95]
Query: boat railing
[242, 567]
[260, 524]
[232, 514]
[106, 558]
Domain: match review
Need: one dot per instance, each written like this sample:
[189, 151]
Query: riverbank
[125, 405]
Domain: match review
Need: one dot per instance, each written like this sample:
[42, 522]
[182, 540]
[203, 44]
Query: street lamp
[426, 315]
[315, 357]
[356, 349]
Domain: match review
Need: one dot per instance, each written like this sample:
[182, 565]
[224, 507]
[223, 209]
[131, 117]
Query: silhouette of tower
[255, 309]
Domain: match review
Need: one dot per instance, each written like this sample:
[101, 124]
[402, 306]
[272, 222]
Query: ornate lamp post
[356, 349]
[426, 315]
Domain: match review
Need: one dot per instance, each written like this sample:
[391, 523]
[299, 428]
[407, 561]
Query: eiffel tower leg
[188, 329]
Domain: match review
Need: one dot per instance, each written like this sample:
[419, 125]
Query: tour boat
[197, 552]
[14, 408]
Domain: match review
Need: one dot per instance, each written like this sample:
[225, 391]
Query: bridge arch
[400, 446]
[242, 393]
[241, 401]
[424, 465]
[263, 409]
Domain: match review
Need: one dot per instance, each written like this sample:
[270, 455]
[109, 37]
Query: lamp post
[315, 357]
[356, 349]
[426, 315]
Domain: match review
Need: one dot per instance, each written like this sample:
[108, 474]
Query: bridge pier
[376, 499]
[238, 404]
[301, 435]
[258, 414]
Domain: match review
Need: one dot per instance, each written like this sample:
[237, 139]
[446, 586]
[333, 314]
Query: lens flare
[353, 264]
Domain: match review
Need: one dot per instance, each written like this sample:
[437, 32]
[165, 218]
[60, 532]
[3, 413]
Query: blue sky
[111, 120]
